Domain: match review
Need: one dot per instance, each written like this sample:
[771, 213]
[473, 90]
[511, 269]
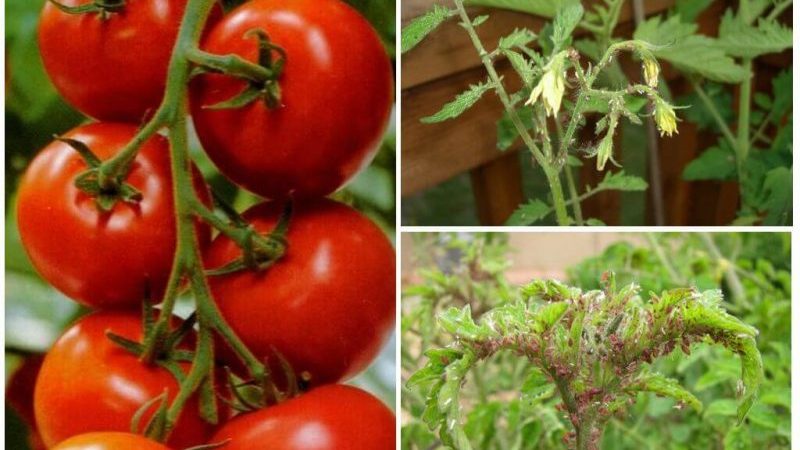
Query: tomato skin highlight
[326, 418]
[113, 69]
[337, 93]
[101, 259]
[89, 384]
[328, 306]
[109, 441]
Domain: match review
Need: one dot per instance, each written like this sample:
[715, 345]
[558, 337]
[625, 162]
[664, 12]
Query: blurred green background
[35, 313]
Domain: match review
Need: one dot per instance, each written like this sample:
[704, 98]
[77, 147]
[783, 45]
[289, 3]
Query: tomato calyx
[259, 251]
[262, 78]
[250, 395]
[102, 7]
[105, 194]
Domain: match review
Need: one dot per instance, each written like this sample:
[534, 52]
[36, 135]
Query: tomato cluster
[319, 313]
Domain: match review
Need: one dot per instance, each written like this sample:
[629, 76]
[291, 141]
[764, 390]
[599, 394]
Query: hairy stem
[550, 171]
[712, 109]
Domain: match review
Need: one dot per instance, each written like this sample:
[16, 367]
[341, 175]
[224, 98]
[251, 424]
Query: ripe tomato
[336, 99]
[327, 418]
[109, 441]
[112, 69]
[87, 384]
[327, 305]
[101, 259]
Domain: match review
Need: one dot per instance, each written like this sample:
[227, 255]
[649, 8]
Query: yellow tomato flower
[666, 120]
[551, 86]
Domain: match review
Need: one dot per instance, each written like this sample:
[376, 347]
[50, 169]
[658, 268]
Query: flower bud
[551, 86]
[650, 68]
[665, 118]
[605, 149]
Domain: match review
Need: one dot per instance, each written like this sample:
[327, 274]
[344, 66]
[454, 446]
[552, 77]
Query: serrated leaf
[459, 323]
[667, 387]
[461, 103]
[687, 51]
[548, 315]
[420, 27]
[564, 23]
[778, 203]
[477, 21]
[716, 163]
[520, 65]
[621, 181]
[529, 213]
[739, 39]
[520, 37]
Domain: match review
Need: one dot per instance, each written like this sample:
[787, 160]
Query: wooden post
[497, 187]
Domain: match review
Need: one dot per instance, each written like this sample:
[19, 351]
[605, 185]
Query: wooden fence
[446, 63]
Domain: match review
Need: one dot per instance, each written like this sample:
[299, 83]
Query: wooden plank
[448, 49]
[497, 187]
[433, 153]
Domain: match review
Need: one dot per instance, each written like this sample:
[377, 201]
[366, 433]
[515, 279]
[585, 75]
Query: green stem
[551, 172]
[743, 128]
[731, 277]
[173, 113]
[571, 186]
[585, 429]
[712, 109]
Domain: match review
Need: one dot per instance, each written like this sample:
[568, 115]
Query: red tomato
[327, 418]
[87, 384]
[336, 99]
[112, 69]
[101, 259]
[327, 306]
[109, 441]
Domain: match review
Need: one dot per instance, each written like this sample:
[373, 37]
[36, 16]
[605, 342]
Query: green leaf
[420, 27]
[742, 40]
[520, 37]
[621, 181]
[458, 322]
[595, 223]
[724, 407]
[462, 102]
[738, 438]
[536, 387]
[689, 52]
[544, 8]
[529, 213]
[667, 387]
[520, 65]
[716, 163]
[688, 10]
[506, 131]
[778, 189]
[567, 18]
[476, 22]
[548, 315]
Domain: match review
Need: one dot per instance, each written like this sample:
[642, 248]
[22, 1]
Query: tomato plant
[112, 67]
[115, 215]
[109, 441]
[85, 252]
[311, 134]
[86, 372]
[327, 305]
[326, 418]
